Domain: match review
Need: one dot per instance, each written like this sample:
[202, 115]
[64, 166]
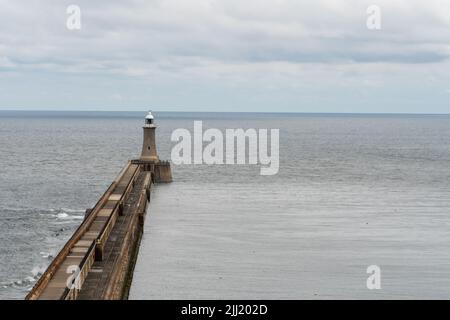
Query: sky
[226, 55]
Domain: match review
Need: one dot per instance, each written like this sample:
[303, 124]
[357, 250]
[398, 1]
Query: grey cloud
[150, 32]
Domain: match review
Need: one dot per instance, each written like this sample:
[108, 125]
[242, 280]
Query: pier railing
[106, 230]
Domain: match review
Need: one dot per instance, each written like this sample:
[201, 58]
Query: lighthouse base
[162, 172]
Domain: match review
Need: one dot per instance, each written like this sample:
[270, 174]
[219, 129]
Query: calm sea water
[352, 191]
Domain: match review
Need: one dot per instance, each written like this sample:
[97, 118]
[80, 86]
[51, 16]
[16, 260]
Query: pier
[97, 262]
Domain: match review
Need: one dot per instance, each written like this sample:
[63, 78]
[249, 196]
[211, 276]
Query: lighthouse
[149, 152]
[149, 159]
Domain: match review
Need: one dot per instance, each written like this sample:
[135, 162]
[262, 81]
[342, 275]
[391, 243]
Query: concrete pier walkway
[98, 260]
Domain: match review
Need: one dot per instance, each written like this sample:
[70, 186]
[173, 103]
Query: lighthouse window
[148, 148]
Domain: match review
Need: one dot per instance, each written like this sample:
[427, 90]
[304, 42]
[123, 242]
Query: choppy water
[352, 191]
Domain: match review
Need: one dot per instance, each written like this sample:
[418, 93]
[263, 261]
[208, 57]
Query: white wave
[37, 271]
[45, 255]
[67, 210]
[67, 216]
[27, 282]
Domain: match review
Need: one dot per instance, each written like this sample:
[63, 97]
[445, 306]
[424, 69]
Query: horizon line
[255, 112]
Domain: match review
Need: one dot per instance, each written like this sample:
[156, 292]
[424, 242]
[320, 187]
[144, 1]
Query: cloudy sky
[226, 55]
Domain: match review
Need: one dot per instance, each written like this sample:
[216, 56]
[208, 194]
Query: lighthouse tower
[149, 152]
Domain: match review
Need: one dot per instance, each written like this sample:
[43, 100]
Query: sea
[353, 192]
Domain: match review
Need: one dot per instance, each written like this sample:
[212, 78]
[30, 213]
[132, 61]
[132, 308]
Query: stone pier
[97, 262]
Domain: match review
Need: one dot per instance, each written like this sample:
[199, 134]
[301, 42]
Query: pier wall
[162, 170]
